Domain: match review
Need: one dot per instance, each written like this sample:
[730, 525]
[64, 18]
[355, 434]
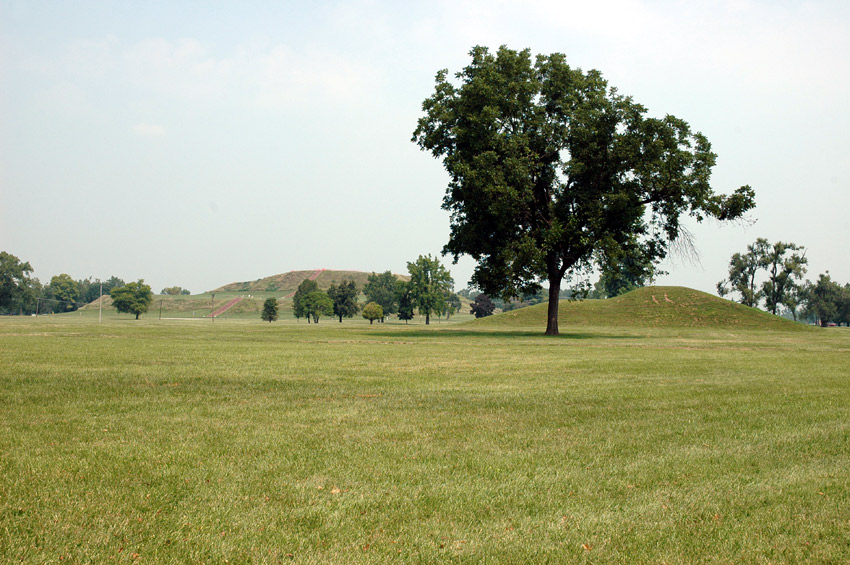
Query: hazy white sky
[200, 143]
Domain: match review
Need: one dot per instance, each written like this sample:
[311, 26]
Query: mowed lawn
[242, 441]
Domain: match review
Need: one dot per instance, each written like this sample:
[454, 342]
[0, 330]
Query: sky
[202, 143]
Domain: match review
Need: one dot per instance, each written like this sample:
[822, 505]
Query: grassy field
[241, 441]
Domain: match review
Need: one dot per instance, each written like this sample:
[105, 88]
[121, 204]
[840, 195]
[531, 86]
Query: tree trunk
[137, 316]
[370, 321]
[554, 298]
[340, 318]
[427, 319]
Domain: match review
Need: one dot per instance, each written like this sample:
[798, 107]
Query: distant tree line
[771, 275]
[428, 292]
[23, 294]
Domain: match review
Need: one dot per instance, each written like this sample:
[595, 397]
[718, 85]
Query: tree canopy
[404, 297]
[269, 313]
[430, 284]
[551, 171]
[132, 298]
[17, 288]
[66, 291]
[306, 287]
[482, 306]
[344, 297]
[381, 288]
[784, 263]
[373, 311]
[316, 304]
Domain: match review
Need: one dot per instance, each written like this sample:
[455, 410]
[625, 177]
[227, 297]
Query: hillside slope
[656, 306]
[288, 282]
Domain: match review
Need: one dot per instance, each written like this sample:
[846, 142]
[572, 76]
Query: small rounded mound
[653, 306]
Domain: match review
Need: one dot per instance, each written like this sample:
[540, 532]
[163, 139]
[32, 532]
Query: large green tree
[373, 311]
[298, 308]
[430, 283]
[743, 268]
[269, 313]
[132, 298]
[785, 264]
[317, 304]
[17, 288]
[404, 297]
[344, 296]
[551, 171]
[65, 291]
[381, 288]
[822, 300]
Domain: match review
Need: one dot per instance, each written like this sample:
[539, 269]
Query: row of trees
[21, 293]
[771, 274]
[784, 265]
[825, 301]
[428, 292]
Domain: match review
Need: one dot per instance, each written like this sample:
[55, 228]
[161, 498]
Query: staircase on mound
[227, 306]
[312, 277]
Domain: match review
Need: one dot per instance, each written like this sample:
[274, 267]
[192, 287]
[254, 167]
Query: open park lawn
[242, 441]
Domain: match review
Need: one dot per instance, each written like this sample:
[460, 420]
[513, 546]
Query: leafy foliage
[482, 306]
[382, 290]
[175, 291]
[430, 283]
[298, 307]
[17, 289]
[65, 291]
[404, 296]
[551, 170]
[270, 309]
[785, 265]
[826, 301]
[316, 304]
[132, 298]
[373, 311]
[344, 297]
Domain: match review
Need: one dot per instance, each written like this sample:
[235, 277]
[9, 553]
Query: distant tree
[785, 268]
[844, 305]
[112, 282]
[17, 288]
[132, 298]
[317, 304]
[482, 306]
[306, 287]
[822, 299]
[344, 298]
[373, 311]
[269, 310]
[382, 290]
[175, 291]
[429, 284]
[89, 290]
[452, 304]
[404, 297]
[66, 291]
[743, 268]
[551, 170]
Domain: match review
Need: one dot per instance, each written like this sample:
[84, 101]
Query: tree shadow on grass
[498, 334]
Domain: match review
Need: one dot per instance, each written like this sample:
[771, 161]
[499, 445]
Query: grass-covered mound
[288, 282]
[654, 306]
